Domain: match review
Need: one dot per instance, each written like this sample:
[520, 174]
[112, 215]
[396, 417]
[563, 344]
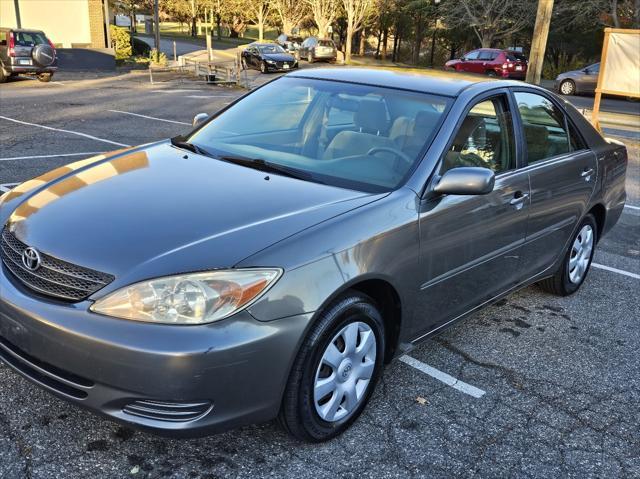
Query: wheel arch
[387, 299]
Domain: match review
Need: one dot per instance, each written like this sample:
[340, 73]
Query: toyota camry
[270, 262]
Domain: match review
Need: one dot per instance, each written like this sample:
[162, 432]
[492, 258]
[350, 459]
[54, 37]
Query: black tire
[298, 414]
[3, 77]
[45, 77]
[263, 67]
[567, 87]
[491, 73]
[560, 283]
[310, 58]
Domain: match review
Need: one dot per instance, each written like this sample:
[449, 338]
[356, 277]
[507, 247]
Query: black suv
[26, 51]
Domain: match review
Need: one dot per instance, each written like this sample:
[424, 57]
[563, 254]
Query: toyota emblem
[31, 259]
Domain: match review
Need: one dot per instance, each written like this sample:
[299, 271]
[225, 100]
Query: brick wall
[97, 24]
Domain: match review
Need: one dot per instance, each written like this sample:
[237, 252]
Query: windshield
[326, 43]
[353, 136]
[271, 49]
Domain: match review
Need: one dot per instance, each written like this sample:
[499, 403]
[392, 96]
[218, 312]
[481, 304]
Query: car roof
[433, 81]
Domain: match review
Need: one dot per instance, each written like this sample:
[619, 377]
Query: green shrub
[565, 63]
[121, 42]
[161, 61]
[140, 47]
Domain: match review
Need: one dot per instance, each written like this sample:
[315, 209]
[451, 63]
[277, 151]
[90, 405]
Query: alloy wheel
[581, 254]
[567, 88]
[344, 372]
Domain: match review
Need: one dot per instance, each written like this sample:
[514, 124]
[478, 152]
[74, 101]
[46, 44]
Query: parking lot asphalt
[556, 381]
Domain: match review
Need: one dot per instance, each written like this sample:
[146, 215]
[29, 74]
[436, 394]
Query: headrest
[371, 117]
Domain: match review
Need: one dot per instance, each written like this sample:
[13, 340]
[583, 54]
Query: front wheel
[567, 87]
[310, 57]
[3, 76]
[263, 67]
[577, 261]
[45, 77]
[335, 371]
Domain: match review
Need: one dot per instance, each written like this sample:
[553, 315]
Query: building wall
[68, 23]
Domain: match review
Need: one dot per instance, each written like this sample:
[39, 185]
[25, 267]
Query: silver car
[578, 81]
[269, 263]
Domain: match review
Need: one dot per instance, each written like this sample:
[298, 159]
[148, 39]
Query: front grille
[46, 374]
[55, 277]
[168, 411]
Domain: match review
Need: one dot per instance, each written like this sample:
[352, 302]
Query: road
[560, 376]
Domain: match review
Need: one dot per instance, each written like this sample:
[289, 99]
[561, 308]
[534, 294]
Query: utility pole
[156, 29]
[539, 41]
[193, 18]
[16, 6]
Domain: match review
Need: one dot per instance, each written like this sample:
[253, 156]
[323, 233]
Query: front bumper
[172, 380]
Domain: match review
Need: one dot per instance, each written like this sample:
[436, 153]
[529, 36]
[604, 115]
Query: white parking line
[149, 117]
[616, 270]
[632, 207]
[64, 131]
[443, 377]
[87, 154]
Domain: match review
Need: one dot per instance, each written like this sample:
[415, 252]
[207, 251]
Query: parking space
[533, 386]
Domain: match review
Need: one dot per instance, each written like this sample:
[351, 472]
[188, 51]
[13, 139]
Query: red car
[492, 62]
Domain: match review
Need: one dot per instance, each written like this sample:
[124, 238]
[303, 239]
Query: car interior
[371, 137]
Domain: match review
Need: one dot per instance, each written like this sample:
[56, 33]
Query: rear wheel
[45, 77]
[491, 73]
[577, 261]
[3, 76]
[336, 370]
[567, 87]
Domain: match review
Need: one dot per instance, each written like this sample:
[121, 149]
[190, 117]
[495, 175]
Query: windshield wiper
[268, 167]
[178, 142]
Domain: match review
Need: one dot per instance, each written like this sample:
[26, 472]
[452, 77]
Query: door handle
[518, 199]
[586, 174]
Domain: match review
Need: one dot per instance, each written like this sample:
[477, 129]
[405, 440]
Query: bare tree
[291, 13]
[324, 12]
[356, 11]
[491, 20]
[258, 12]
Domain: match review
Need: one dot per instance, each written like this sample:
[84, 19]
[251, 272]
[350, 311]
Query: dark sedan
[268, 57]
[269, 263]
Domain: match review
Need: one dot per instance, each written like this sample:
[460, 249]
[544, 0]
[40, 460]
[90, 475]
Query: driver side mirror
[466, 181]
[199, 119]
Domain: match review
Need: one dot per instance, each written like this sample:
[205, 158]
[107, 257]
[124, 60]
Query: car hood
[159, 210]
[278, 57]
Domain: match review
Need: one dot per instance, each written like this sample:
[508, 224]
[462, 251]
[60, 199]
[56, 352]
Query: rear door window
[487, 55]
[545, 127]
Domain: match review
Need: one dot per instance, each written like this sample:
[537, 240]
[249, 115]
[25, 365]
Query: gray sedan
[269, 263]
[578, 81]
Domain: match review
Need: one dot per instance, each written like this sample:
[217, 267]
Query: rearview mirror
[466, 181]
[199, 119]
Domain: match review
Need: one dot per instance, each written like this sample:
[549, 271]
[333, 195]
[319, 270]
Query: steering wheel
[398, 153]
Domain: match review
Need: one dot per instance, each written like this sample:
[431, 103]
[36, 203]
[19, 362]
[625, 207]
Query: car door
[562, 171]
[470, 60]
[589, 80]
[470, 245]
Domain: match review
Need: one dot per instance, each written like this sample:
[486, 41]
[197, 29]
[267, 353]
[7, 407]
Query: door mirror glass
[466, 181]
[199, 119]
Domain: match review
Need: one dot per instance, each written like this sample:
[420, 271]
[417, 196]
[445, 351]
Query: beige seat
[371, 124]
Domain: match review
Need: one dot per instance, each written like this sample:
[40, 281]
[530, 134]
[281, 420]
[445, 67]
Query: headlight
[196, 298]
[270, 61]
